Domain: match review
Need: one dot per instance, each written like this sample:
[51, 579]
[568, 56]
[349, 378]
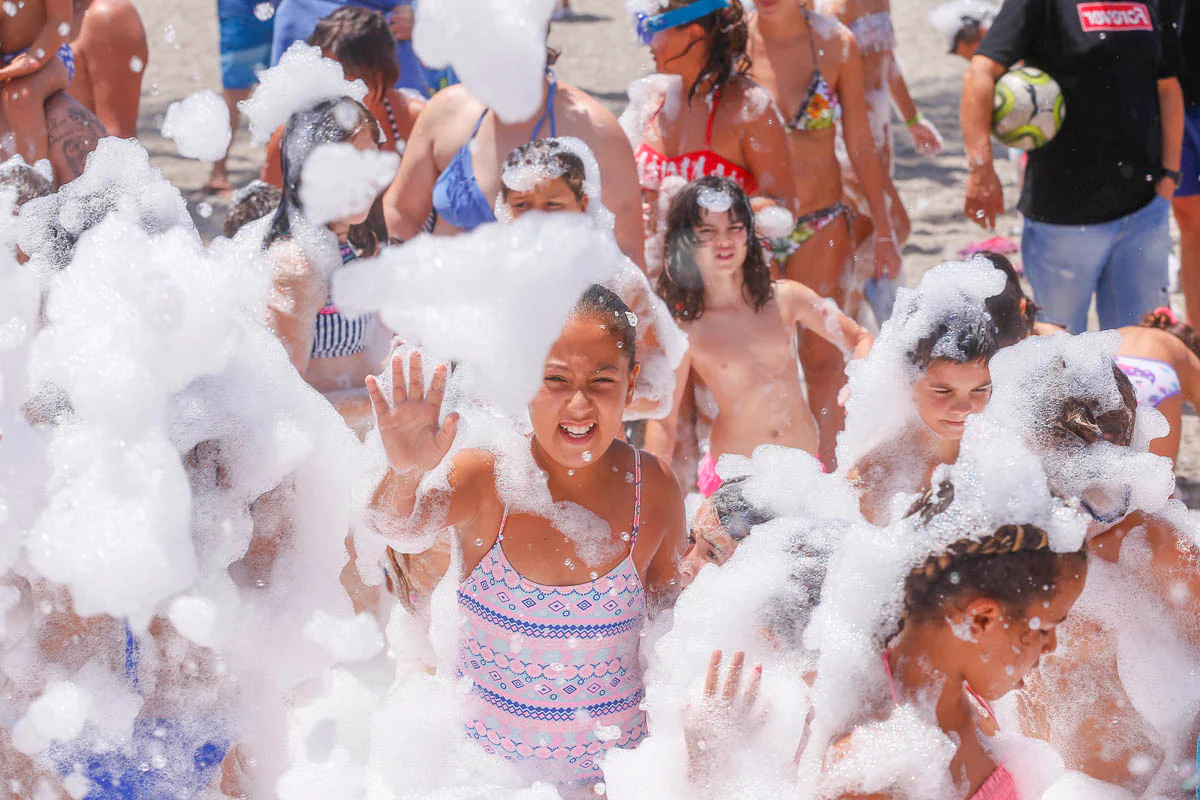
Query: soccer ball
[1027, 109]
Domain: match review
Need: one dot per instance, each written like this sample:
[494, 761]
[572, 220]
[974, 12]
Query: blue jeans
[1123, 262]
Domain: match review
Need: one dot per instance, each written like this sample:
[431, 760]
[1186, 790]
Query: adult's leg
[1063, 265]
[219, 179]
[74, 132]
[111, 56]
[822, 264]
[1135, 279]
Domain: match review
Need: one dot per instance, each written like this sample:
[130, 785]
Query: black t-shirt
[1189, 39]
[1108, 58]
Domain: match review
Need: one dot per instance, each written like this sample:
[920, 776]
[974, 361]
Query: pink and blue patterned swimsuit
[1153, 381]
[555, 668]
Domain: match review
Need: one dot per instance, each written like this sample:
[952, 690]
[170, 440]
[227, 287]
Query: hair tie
[1168, 313]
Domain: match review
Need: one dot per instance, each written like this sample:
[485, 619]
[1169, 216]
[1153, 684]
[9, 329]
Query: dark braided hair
[1012, 323]
[1165, 320]
[680, 284]
[1013, 566]
[604, 304]
[726, 34]
[1082, 420]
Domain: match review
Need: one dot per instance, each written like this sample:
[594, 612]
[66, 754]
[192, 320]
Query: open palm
[408, 425]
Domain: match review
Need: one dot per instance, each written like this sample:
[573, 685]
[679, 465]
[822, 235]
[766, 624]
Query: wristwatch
[1173, 174]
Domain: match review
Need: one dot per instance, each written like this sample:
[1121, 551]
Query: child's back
[18, 31]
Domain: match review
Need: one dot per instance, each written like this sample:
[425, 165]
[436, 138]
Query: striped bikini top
[554, 669]
[338, 334]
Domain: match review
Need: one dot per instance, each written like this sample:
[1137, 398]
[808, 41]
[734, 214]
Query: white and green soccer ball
[1027, 109]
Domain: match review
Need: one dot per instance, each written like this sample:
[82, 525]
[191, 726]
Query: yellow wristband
[916, 118]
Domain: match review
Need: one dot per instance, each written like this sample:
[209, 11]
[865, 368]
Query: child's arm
[822, 316]
[660, 433]
[45, 46]
[662, 574]
[294, 302]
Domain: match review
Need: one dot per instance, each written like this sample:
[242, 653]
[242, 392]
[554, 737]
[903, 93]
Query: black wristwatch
[1173, 174]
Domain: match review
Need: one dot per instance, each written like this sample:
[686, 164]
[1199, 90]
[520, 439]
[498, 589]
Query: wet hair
[329, 121]
[28, 182]
[1084, 421]
[603, 303]
[736, 514]
[1012, 324]
[1013, 566]
[253, 201]
[680, 284]
[726, 34]
[361, 41]
[551, 157]
[961, 336]
[970, 32]
[1165, 320]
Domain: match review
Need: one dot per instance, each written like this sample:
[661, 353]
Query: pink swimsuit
[555, 668]
[1000, 784]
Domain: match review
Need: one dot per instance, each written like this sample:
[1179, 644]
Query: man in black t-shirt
[1096, 198]
[1187, 195]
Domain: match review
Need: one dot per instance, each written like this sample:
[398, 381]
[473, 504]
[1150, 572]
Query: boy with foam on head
[36, 62]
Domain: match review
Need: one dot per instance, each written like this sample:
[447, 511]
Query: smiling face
[1009, 646]
[948, 392]
[551, 195]
[586, 383]
[722, 244]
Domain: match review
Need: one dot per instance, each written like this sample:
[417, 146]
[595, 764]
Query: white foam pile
[498, 50]
[199, 126]
[301, 79]
[340, 181]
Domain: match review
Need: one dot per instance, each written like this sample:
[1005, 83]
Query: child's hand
[727, 713]
[408, 425]
[21, 66]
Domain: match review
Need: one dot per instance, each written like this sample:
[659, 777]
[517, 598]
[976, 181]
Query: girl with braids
[977, 619]
[328, 348]
[741, 328]
[726, 125]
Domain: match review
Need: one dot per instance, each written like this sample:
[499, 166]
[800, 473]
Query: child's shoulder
[472, 466]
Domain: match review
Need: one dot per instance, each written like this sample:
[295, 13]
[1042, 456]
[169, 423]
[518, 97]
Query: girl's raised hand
[408, 425]
[728, 712]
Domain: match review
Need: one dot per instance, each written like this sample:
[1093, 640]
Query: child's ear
[633, 375]
[984, 616]
[583, 204]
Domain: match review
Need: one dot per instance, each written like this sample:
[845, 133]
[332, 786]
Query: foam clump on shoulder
[646, 97]
[498, 50]
[118, 176]
[880, 404]
[496, 298]
[300, 80]
[199, 126]
[339, 180]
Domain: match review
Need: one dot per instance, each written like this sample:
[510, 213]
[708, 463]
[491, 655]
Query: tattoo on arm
[74, 132]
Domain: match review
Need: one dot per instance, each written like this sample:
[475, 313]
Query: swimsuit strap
[812, 39]
[387, 107]
[637, 498]
[549, 112]
[814, 83]
[711, 115]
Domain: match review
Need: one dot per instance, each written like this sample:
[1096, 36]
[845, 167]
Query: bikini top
[653, 166]
[874, 33]
[336, 334]
[821, 108]
[457, 197]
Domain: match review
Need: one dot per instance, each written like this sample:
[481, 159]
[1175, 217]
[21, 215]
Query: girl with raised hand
[541, 704]
[328, 348]
[741, 328]
[723, 124]
[978, 617]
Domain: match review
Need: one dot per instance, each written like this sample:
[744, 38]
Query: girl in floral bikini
[553, 661]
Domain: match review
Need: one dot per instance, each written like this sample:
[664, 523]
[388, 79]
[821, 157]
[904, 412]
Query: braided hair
[1081, 420]
[726, 35]
[1013, 566]
[1165, 320]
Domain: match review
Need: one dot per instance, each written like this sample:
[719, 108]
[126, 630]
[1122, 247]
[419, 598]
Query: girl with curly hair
[741, 328]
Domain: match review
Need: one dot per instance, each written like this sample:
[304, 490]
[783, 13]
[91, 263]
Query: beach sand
[601, 54]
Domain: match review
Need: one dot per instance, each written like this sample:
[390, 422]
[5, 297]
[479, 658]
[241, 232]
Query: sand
[601, 55]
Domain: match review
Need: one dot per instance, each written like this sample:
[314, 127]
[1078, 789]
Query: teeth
[578, 430]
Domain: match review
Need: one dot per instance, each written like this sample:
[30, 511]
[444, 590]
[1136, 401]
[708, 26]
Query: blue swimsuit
[457, 197]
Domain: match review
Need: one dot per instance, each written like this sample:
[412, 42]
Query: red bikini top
[653, 166]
